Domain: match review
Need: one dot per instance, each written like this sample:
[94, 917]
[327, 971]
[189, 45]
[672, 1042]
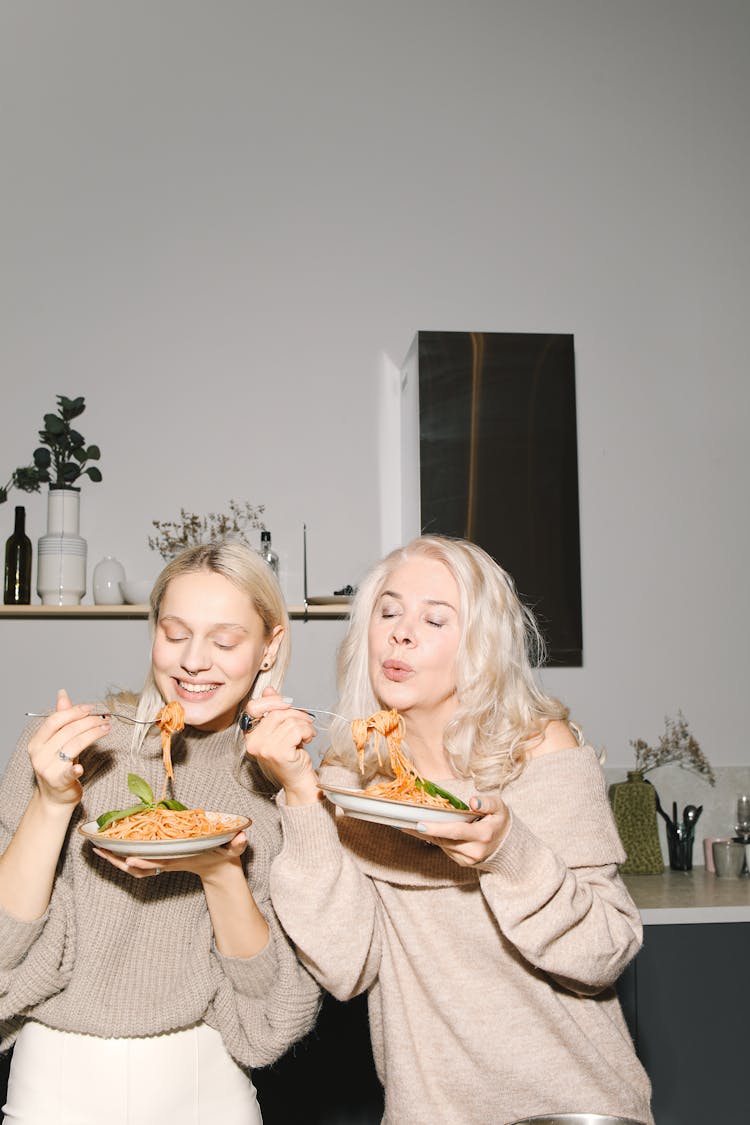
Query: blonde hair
[501, 710]
[246, 570]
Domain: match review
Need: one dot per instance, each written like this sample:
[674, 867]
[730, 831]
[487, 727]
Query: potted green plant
[63, 459]
[63, 456]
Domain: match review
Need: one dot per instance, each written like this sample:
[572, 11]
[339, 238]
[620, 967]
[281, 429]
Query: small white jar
[109, 574]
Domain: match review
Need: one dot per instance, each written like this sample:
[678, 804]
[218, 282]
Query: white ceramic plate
[381, 810]
[166, 849]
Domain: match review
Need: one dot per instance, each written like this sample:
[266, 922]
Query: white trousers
[182, 1078]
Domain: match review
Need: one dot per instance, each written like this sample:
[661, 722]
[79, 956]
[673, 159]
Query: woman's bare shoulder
[557, 735]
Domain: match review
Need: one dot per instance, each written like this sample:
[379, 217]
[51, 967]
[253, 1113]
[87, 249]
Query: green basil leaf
[140, 788]
[434, 790]
[170, 803]
[108, 818]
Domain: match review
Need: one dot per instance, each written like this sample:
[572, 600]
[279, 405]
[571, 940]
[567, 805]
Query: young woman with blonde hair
[489, 949]
[139, 990]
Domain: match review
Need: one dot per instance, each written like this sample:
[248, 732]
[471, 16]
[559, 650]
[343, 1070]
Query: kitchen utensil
[318, 711]
[101, 714]
[660, 810]
[247, 724]
[691, 815]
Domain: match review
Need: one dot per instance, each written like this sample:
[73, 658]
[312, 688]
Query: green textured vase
[634, 807]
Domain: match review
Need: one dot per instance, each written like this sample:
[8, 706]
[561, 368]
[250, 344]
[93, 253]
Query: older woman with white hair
[489, 947]
[143, 990]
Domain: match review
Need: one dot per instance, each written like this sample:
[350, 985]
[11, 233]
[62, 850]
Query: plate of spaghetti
[153, 829]
[405, 799]
[362, 805]
[164, 833]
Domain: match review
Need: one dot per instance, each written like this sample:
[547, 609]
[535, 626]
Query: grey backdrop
[222, 223]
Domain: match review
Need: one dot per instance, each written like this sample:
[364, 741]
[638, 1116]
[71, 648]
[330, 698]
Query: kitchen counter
[689, 897]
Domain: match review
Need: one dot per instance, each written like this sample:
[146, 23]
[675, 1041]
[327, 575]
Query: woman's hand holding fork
[276, 739]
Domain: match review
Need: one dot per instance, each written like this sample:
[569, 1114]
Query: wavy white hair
[501, 710]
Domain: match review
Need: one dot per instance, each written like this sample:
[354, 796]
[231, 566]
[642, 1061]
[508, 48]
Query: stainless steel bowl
[577, 1119]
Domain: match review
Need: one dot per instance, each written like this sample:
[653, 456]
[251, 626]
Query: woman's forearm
[240, 930]
[28, 865]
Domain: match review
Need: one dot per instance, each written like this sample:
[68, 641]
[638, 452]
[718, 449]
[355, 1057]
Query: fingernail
[478, 802]
[287, 699]
[421, 827]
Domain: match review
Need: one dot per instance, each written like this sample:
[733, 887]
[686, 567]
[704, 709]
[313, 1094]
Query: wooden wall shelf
[335, 611]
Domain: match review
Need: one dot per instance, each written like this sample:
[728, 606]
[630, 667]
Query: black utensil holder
[680, 846]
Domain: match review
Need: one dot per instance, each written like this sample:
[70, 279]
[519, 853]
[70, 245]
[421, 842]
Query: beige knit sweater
[117, 956]
[490, 991]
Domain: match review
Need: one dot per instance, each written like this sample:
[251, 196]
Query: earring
[265, 666]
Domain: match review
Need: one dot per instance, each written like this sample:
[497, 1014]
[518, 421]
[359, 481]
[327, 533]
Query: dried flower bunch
[190, 530]
[676, 745]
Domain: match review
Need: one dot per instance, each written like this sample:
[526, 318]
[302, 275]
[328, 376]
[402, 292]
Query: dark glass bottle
[18, 563]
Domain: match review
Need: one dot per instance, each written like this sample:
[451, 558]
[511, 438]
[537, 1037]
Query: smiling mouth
[196, 689]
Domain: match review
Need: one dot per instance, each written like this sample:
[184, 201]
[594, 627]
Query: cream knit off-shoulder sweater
[490, 990]
[117, 956]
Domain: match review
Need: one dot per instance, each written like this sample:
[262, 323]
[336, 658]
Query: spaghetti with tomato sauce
[168, 824]
[161, 823]
[407, 783]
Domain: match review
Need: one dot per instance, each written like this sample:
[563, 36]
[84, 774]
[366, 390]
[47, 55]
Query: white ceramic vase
[107, 581]
[61, 553]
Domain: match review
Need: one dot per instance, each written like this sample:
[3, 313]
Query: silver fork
[101, 714]
[318, 711]
[247, 724]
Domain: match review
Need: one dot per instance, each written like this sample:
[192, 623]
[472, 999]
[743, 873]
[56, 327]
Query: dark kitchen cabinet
[685, 997]
[329, 1077]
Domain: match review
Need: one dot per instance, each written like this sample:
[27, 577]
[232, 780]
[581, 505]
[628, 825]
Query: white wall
[217, 220]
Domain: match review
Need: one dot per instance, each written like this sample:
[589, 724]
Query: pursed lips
[397, 670]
